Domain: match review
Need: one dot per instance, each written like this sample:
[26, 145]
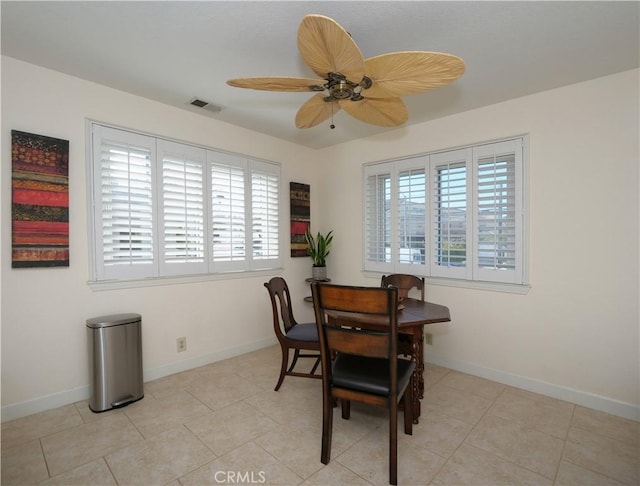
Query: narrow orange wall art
[40, 201]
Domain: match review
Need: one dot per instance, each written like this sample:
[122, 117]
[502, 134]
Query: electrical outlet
[182, 344]
[428, 338]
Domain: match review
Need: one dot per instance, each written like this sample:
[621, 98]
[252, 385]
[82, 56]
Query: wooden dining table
[413, 315]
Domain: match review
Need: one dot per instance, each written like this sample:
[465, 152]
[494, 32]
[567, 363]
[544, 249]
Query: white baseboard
[596, 402]
[66, 397]
[589, 400]
[196, 362]
[47, 402]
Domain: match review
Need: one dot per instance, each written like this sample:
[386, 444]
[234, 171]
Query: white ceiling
[174, 51]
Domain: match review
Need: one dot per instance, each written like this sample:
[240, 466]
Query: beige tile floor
[224, 424]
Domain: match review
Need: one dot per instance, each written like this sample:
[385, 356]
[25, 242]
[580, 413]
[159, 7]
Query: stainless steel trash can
[115, 344]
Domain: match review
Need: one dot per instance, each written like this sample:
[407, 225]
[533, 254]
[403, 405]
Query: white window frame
[161, 269]
[469, 273]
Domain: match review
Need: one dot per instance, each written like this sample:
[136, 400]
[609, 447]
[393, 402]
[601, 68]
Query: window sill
[158, 281]
[521, 289]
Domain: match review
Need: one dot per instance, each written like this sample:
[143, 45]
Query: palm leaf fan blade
[384, 112]
[410, 72]
[278, 83]
[315, 111]
[326, 47]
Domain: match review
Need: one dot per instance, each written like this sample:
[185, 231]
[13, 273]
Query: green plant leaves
[319, 247]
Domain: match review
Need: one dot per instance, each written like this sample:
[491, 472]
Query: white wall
[44, 311]
[575, 334]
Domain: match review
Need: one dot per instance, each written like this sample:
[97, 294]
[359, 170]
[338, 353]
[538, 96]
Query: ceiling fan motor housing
[341, 91]
[340, 88]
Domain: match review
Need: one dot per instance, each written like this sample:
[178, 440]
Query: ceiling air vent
[205, 105]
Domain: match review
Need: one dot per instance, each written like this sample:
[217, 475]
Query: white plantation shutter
[123, 204]
[410, 210]
[182, 215]
[463, 209]
[498, 241]
[163, 208]
[449, 209]
[265, 210]
[377, 227]
[395, 216]
[228, 212]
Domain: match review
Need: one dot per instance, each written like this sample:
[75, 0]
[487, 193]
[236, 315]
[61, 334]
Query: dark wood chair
[404, 283]
[290, 334]
[408, 343]
[365, 365]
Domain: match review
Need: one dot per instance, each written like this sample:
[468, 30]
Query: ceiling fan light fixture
[341, 91]
[338, 87]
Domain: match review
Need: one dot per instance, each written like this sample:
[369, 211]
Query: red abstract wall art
[40, 201]
[300, 217]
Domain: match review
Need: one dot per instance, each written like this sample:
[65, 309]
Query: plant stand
[309, 298]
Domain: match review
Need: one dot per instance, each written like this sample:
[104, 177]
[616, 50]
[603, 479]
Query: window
[163, 208]
[456, 214]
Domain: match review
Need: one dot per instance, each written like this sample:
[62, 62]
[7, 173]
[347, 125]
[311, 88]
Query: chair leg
[327, 428]
[283, 366]
[346, 409]
[393, 443]
[408, 410]
[296, 354]
[315, 366]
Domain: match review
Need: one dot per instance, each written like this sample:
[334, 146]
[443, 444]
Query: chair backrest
[281, 305]
[338, 304]
[404, 283]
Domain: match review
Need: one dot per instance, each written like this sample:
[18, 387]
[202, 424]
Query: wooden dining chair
[405, 283]
[290, 334]
[361, 362]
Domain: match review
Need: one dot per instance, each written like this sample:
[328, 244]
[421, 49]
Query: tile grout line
[44, 456]
[104, 459]
[463, 441]
[564, 446]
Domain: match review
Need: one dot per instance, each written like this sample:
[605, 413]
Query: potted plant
[318, 248]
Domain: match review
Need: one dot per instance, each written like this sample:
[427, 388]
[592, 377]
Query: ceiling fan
[367, 89]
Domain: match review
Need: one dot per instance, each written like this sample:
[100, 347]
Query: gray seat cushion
[303, 332]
